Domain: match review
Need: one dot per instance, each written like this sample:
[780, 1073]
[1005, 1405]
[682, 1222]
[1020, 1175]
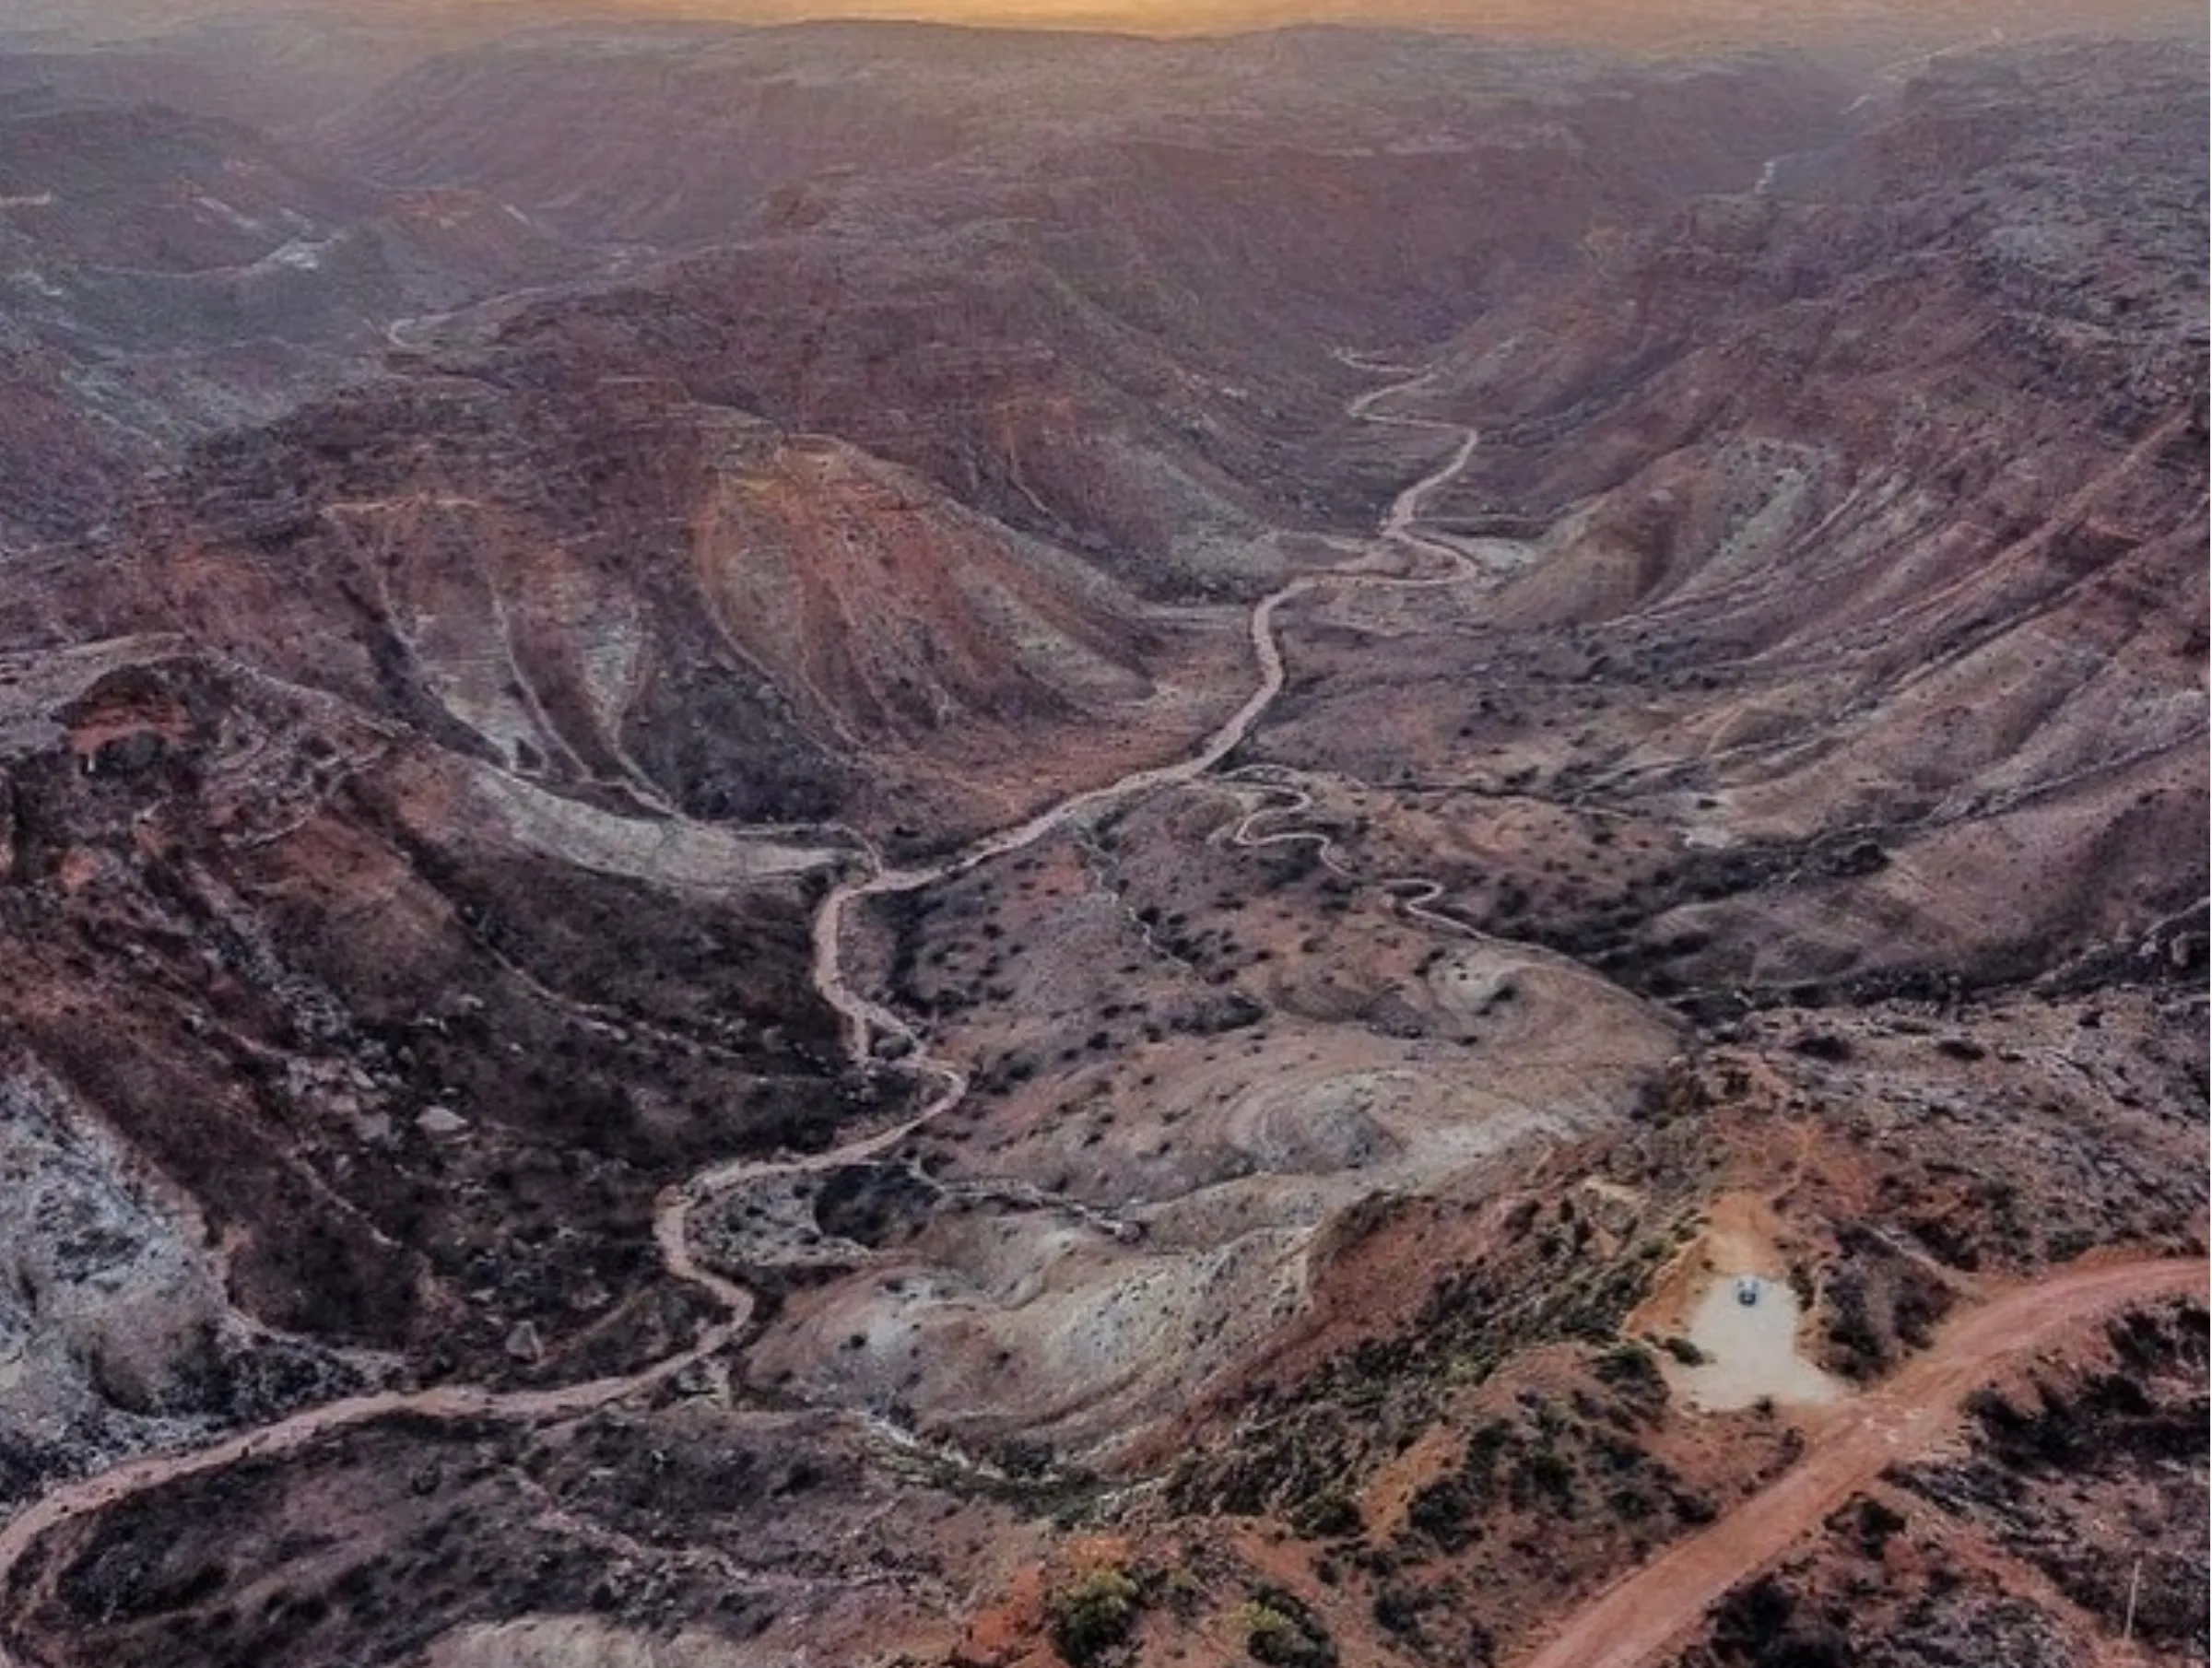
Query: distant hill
[1890, 24]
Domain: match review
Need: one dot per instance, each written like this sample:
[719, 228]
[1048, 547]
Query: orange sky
[1624, 19]
[1627, 22]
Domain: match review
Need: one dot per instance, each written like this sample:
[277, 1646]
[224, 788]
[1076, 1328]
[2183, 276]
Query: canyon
[887, 844]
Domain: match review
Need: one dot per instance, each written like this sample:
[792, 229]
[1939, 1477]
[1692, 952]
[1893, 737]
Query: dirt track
[863, 1018]
[1637, 1621]
[1628, 1626]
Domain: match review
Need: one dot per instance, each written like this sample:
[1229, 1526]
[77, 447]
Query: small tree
[1093, 1614]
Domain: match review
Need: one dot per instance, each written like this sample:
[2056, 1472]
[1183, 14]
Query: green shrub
[1282, 1633]
[1093, 1614]
[1330, 1515]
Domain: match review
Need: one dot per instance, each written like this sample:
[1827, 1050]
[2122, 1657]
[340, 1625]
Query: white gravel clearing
[1750, 1350]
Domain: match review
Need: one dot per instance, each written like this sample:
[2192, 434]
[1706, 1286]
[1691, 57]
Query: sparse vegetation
[383, 724]
[1280, 1631]
[1093, 1614]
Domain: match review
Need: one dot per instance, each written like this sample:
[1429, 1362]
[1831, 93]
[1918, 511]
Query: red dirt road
[1634, 1623]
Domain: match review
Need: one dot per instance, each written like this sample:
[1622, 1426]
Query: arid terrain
[876, 844]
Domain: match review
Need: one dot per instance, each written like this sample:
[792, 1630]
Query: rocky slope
[1756, 835]
[169, 274]
[417, 1069]
[1089, 285]
[661, 606]
[1874, 570]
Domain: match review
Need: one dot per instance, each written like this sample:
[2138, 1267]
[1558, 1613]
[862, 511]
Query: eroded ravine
[863, 1020]
[1910, 1410]
[863, 1017]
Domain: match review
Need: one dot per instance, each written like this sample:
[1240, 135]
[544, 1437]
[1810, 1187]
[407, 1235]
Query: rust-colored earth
[878, 845]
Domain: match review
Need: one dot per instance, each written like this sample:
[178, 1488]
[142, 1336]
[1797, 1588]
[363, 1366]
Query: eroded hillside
[875, 845]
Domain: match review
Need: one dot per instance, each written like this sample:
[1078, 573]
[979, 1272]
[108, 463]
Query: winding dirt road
[1654, 1610]
[1625, 1629]
[863, 1018]
[1417, 895]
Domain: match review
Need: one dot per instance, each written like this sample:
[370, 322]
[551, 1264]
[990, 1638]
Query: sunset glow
[1628, 20]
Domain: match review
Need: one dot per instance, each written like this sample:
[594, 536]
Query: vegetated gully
[863, 1021]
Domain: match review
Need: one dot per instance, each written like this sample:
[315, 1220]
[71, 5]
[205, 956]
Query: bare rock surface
[892, 846]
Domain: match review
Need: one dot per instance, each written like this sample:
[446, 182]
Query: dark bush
[1092, 1615]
